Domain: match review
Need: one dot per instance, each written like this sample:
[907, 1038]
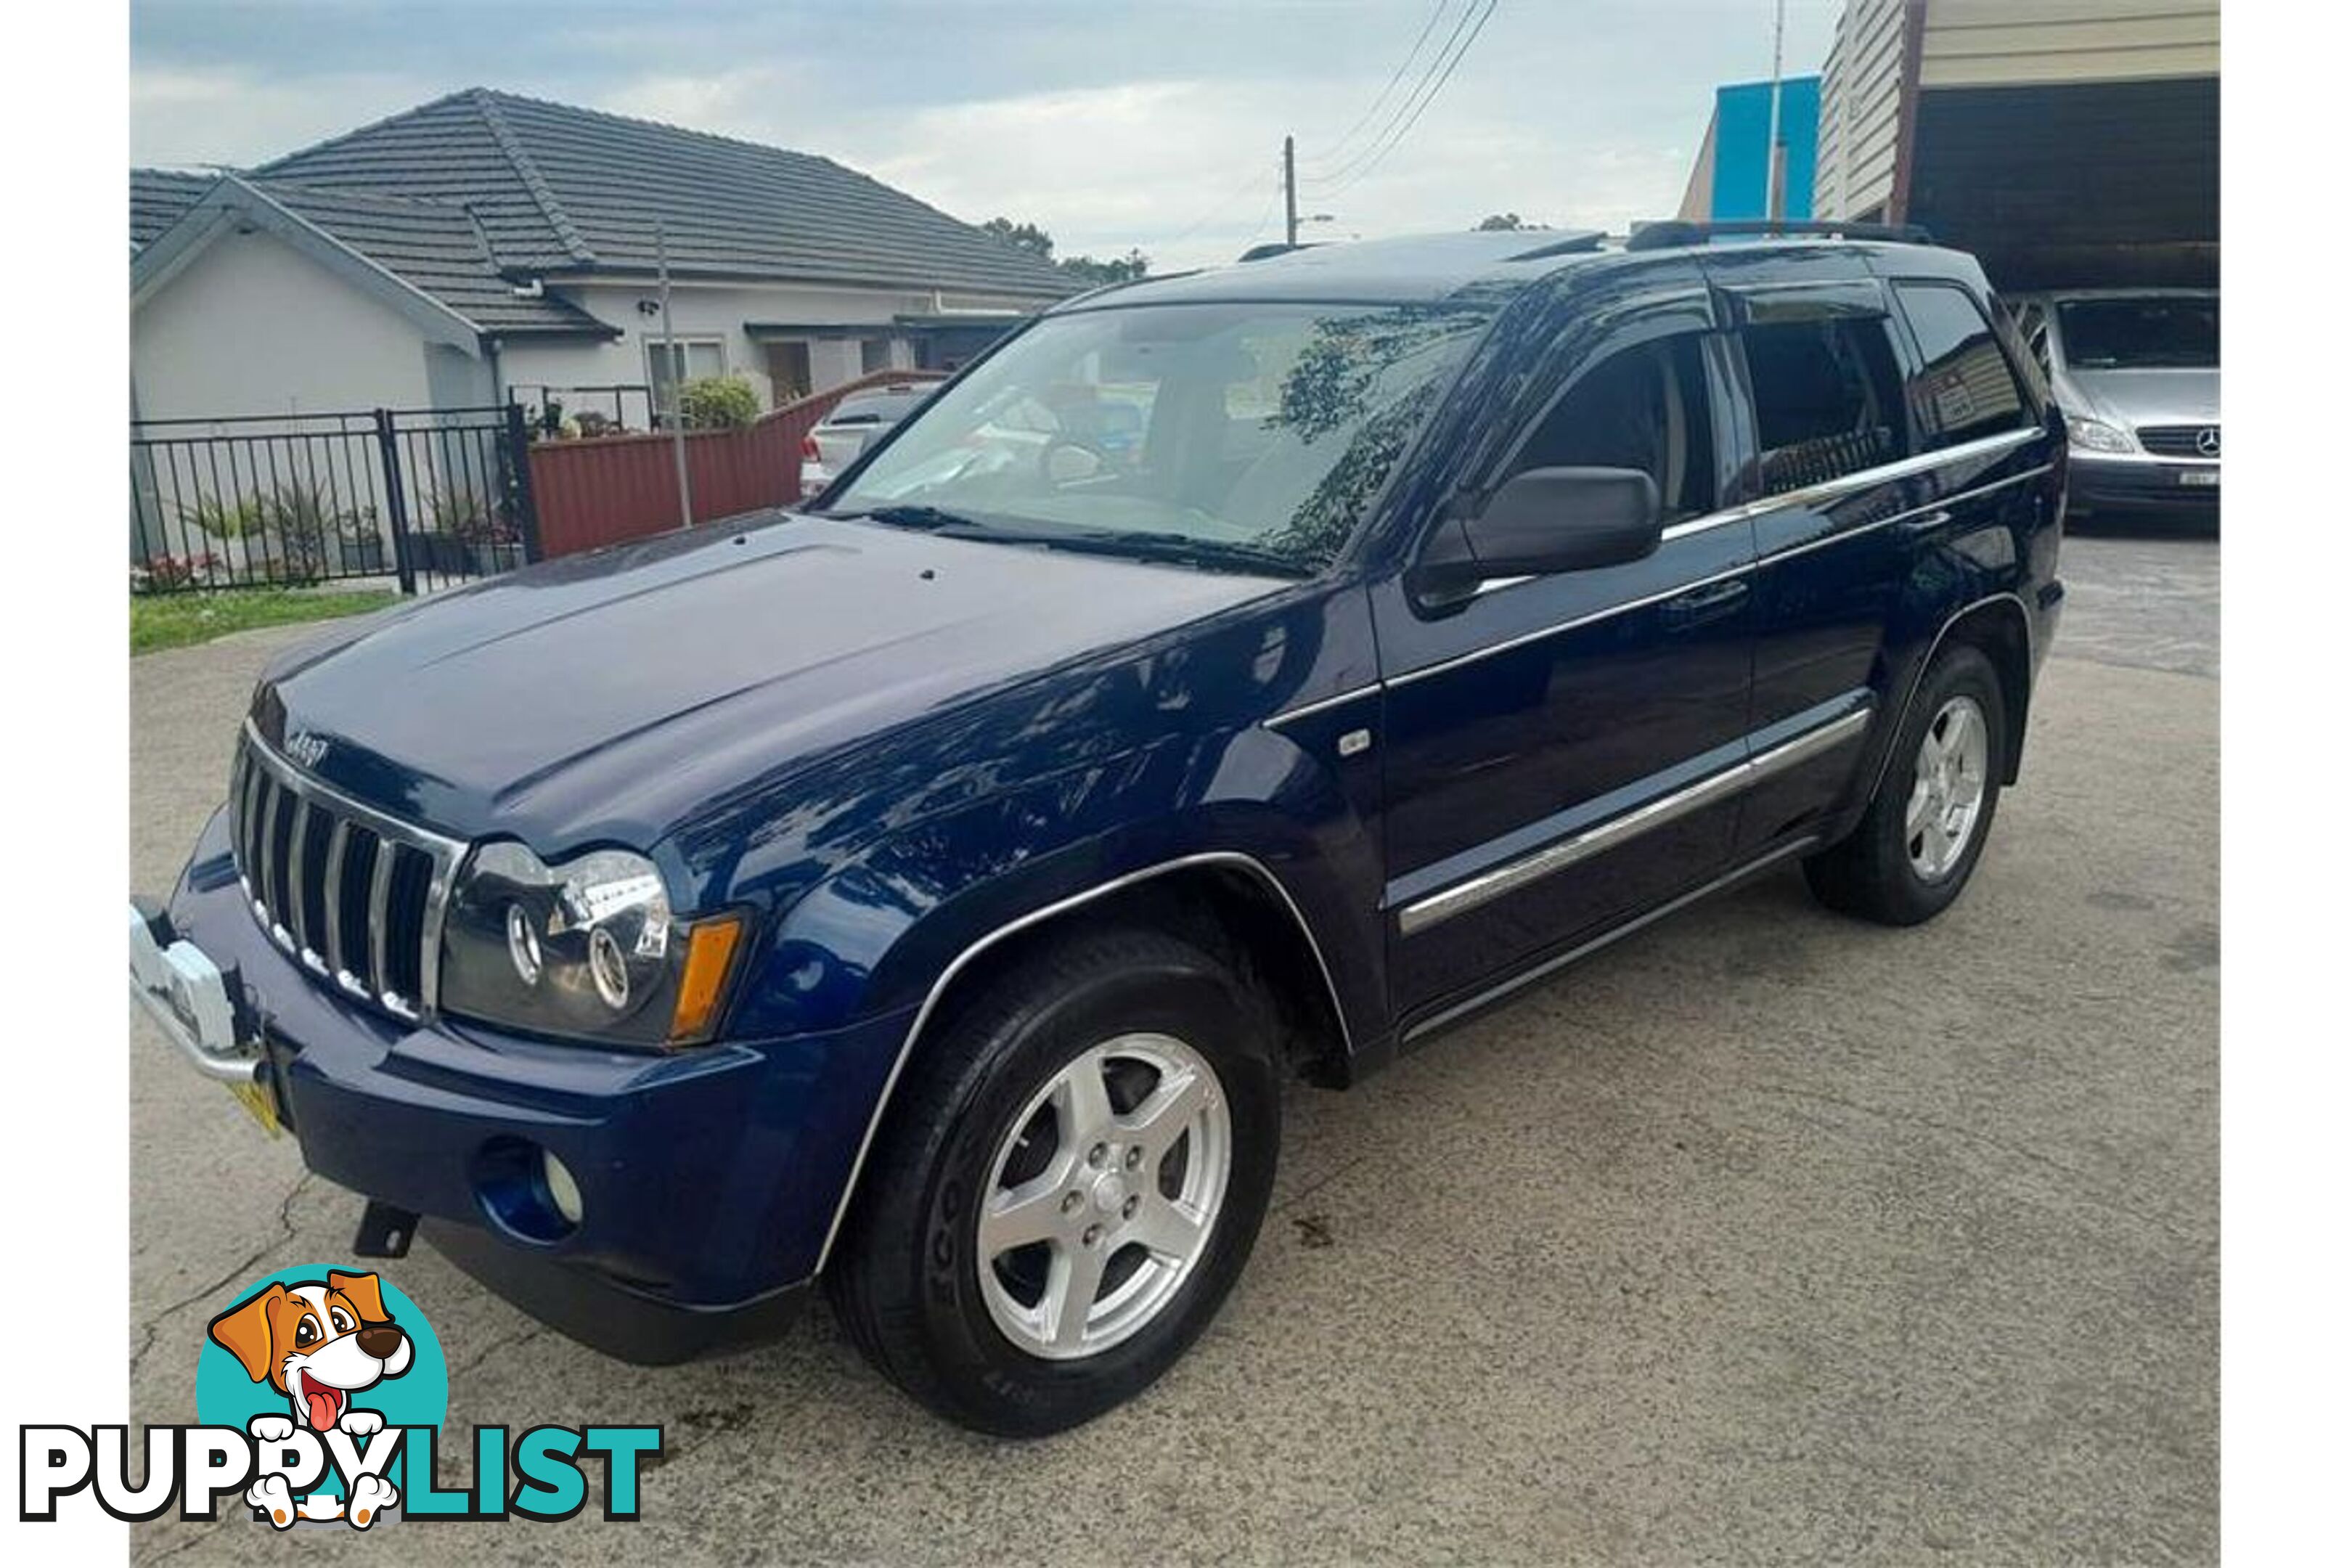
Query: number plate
[259, 1104]
[2201, 477]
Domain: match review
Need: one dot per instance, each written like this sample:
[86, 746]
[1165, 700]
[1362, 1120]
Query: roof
[1484, 267]
[433, 248]
[160, 197]
[565, 190]
[1420, 269]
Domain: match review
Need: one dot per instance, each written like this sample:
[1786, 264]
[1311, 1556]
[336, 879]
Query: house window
[873, 355]
[681, 359]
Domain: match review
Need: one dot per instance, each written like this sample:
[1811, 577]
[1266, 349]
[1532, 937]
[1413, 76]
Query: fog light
[561, 1190]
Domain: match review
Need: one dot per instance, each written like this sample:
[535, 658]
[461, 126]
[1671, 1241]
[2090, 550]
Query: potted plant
[359, 544]
[468, 537]
[491, 546]
[303, 523]
[240, 525]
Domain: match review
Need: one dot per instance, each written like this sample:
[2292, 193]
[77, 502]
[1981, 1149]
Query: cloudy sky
[1110, 124]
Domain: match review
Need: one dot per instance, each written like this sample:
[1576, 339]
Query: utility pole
[1775, 198]
[676, 377]
[1289, 191]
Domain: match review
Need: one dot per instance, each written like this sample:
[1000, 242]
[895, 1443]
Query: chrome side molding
[1487, 885]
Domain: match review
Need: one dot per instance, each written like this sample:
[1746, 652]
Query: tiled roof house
[486, 246]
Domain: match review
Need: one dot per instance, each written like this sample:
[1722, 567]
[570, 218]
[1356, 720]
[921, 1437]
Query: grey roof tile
[159, 197]
[434, 246]
[565, 189]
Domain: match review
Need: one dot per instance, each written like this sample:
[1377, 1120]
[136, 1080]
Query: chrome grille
[2181, 440]
[356, 896]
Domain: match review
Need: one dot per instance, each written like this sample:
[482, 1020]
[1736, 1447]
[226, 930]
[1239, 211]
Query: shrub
[299, 518]
[716, 403]
[228, 518]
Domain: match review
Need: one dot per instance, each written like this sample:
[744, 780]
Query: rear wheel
[1919, 840]
[1067, 1193]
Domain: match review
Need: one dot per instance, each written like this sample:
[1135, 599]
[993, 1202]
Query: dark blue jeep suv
[1231, 677]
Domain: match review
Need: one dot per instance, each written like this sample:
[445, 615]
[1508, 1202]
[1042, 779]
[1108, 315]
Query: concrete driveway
[1764, 1237]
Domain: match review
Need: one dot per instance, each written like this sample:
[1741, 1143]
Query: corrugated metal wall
[1862, 90]
[2010, 43]
[614, 487]
[1985, 43]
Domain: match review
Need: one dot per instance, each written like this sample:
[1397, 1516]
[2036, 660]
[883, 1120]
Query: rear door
[1537, 737]
[1875, 469]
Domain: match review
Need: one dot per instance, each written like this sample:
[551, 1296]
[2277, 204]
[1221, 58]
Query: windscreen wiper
[1139, 545]
[929, 517]
[1181, 549]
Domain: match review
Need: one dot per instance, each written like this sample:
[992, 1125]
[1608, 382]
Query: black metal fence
[423, 497]
[616, 408]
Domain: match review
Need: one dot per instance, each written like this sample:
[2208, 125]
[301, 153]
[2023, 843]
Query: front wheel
[1925, 828]
[1069, 1188]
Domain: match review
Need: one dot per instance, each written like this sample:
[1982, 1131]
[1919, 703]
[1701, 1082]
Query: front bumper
[709, 1178]
[2112, 482]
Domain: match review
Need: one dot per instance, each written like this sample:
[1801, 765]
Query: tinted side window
[1966, 389]
[1825, 399]
[1643, 407]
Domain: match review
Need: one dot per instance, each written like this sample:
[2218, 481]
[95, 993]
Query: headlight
[589, 949]
[2095, 435]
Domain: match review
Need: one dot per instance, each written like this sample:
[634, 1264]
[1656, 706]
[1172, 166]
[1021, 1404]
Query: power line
[1264, 215]
[1405, 105]
[1332, 152]
[1218, 211]
[1378, 154]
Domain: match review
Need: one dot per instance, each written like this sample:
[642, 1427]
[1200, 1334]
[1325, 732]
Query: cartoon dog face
[316, 1342]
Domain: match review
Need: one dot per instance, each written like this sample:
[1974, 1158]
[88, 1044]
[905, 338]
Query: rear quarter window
[1965, 387]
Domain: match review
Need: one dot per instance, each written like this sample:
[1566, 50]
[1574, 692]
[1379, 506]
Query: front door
[1541, 742]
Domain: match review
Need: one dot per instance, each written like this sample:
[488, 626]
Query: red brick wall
[615, 488]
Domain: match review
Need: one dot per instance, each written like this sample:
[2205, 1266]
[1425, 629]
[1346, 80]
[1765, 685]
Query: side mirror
[1541, 522]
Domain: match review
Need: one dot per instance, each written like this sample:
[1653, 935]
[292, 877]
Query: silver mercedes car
[2137, 373]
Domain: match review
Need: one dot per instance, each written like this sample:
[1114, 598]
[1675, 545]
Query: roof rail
[1569, 244]
[1670, 232]
[1275, 247]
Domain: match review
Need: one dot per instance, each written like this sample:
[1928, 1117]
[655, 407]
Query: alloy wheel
[1948, 789]
[1103, 1196]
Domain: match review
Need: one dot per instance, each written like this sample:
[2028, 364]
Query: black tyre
[1069, 1185]
[1927, 825]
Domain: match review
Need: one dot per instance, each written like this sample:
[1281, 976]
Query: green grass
[180, 620]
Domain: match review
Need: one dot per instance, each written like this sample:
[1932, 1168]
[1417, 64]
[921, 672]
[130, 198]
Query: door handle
[1701, 605]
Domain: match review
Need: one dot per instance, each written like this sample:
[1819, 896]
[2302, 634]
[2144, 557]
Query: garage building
[2066, 142]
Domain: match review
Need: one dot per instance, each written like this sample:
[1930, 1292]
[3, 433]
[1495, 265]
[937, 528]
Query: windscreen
[1261, 429]
[872, 408]
[2154, 333]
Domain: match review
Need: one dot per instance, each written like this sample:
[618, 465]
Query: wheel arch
[1998, 626]
[1228, 899]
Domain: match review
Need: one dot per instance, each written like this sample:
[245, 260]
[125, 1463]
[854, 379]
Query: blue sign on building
[1729, 182]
